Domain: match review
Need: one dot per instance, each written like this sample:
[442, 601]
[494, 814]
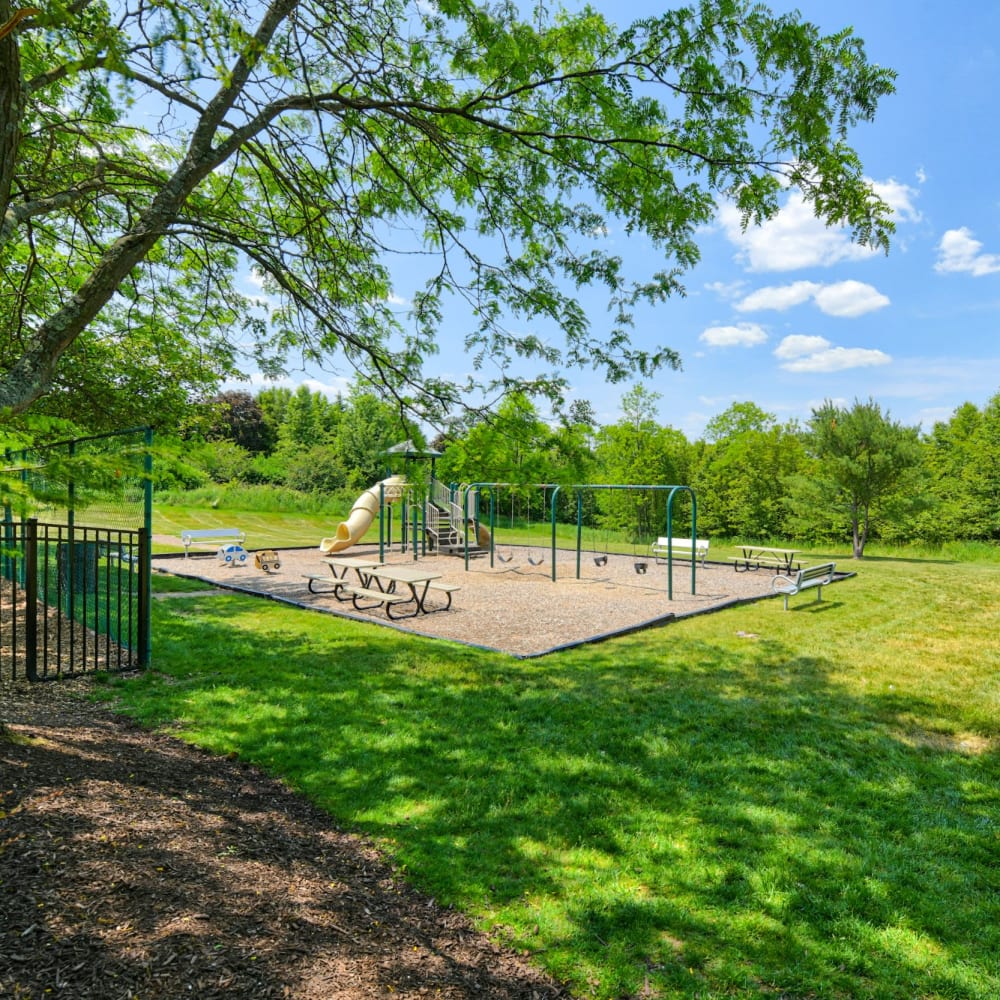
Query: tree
[239, 418]
[741, 475]
[963, 459]
[740, 418]
[865, 465]
[148, 149]
[366, 428]
[638, 450]
[513, 446]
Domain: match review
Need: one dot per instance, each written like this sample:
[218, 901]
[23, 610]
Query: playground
[565, 588]
[514, 607]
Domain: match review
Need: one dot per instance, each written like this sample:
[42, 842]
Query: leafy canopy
[149, 150]
[866, 466]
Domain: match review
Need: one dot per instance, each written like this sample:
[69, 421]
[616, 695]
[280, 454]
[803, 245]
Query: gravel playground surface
[514, 607]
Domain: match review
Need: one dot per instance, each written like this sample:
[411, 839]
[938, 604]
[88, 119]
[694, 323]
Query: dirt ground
[135, 866]
[513, 606]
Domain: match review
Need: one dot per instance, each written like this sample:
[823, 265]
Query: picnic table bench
[335, 582]
[768, 557]
[381, 589]
[213, 537]
[385, 598]
[679, 547]
[812, 576]
[442, 588]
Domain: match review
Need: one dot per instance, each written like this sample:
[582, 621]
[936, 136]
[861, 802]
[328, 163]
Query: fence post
[143, 639]
[31, 599]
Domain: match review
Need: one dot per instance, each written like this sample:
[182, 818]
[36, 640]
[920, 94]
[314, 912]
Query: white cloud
[960, 251]
[726, 290]
[331, 388]
[830, 359]
[779, 297]
[899, 197]
[740, 335]
[794, 238]
[850, 299]
[846, 299]
[798, 345]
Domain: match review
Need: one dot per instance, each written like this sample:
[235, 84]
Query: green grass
[747, 804]
[263, 530]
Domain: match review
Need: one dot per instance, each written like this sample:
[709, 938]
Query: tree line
[847, 473]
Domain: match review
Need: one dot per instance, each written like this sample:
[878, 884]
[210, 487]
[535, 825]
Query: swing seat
[503, 558]
[601, 560]
[536, 562]
[640, 567]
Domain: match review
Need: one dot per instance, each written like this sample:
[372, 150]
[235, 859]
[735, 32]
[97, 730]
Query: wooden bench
[811, 576]
[680, 547]
[378, 597]
[213, 537]
[332, 584]
[443, 588]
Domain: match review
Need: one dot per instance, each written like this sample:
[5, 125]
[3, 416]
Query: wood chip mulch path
[135, 866]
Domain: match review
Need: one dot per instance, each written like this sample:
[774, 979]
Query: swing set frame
[490, 489]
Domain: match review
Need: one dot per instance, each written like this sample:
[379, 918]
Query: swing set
[641, 565]
[550, 495]
[536, 556]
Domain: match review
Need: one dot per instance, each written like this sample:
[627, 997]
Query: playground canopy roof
[407, 449]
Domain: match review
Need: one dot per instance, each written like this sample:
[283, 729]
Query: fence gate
[72, 600]
[74, 555]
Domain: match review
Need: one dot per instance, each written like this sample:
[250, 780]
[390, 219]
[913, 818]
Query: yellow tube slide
[364, 511]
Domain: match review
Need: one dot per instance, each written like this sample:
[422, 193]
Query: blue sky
[791, 314]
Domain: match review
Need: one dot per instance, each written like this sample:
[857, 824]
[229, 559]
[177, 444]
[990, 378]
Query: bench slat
[377, 595]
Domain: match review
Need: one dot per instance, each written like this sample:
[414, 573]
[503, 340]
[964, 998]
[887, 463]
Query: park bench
[680, 547]
[811, 576]
[212, 537]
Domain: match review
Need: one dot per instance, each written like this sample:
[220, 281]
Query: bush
[262, 498]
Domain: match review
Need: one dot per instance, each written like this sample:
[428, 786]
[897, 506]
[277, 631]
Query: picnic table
[337, 581]
[755, 556]
[418, 581]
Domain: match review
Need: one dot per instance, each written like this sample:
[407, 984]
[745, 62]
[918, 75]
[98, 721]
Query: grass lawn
[751, 803]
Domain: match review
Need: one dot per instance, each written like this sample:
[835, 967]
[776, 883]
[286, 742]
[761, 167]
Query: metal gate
[73, 600]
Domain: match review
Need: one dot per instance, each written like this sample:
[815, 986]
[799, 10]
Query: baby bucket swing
[641, 565]
[510, 555]
[540, 558]
[600, 558]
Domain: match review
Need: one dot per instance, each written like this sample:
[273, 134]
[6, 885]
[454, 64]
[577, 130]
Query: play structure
[267, 560]
[232, 555]
[435, 524]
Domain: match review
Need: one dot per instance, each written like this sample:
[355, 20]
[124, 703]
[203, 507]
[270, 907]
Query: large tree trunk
[11, 101]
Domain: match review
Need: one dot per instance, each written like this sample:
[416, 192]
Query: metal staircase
[445, 524]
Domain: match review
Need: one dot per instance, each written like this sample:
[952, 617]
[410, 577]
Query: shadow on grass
[683, 815]
[166, 871]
